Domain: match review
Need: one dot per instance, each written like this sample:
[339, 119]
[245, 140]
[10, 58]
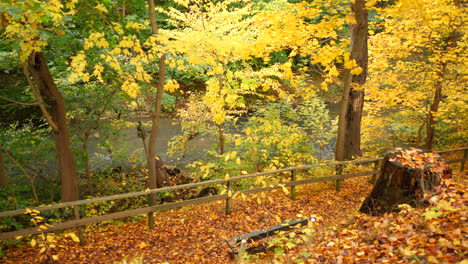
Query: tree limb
[16, 102]
[18, 164]
[41, 103]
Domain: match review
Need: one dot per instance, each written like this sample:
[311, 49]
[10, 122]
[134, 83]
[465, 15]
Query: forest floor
[197, 234]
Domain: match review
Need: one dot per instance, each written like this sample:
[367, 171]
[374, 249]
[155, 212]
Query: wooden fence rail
[228, 182]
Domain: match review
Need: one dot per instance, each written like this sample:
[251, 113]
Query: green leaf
[431, 214]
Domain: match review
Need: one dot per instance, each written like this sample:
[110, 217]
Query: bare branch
[16, 102]
[23, 169]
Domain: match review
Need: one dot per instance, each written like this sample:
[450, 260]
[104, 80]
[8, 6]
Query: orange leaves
[416, 158]
[196, 234]
[436, 234]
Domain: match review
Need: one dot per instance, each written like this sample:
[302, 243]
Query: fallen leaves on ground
[434, 234]
[197, 234]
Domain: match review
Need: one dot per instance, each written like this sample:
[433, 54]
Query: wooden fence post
[150, 214]
[376, 167]
[228, 199]
[462, 163]
[339, 171]
[79, 230]
[293, 187]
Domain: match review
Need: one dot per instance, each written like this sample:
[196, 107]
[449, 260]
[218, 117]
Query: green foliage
[108, 182]
[277, 135]
[13, 198]
[13, 87]
[9, 61]
[169, 103]
[30, 150]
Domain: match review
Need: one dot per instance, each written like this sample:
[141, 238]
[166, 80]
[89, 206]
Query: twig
[21, 167]
[16, 102]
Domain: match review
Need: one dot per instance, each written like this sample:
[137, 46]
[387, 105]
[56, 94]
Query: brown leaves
[417, 158]
[436, 234]
[197, 234]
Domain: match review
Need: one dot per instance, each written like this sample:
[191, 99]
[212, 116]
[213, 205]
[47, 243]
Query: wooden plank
[173, 188]
[76, 223]
[193, 185]
[307, 181]
[97, 219]
[331, 178]
[114, 216]
[247, 176]
[455, 160]
[196, 201]
[257, 235]
[451, 150]
[112, 197]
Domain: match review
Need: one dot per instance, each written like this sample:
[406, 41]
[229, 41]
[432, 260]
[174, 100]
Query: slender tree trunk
[3, 176]
[155, 167]
[156, 119]
[222, 139]
[431, 121]
[348, 143]
[434, 108]
[154, 180]
[54, 107]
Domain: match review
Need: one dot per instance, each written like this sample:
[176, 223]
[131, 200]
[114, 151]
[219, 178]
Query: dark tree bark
[3, 176]
[348, 143]
[53, 108]
[404, 178]
[352, 139]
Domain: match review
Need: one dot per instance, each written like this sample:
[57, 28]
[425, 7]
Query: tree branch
[16, 102]
[18, 164]
[41, 103]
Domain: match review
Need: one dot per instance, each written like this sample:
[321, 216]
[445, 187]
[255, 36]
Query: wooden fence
[292, 183]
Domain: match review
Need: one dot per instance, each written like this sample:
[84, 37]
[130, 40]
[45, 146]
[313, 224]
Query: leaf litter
[197, 234]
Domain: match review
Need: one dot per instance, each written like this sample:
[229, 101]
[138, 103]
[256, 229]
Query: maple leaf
[431, 214]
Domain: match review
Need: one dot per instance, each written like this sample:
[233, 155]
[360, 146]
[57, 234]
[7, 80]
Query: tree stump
[404, 178]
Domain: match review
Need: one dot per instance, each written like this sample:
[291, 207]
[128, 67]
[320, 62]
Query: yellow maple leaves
[131, 88]
[96, 39]
[409, 59]
[26, 21]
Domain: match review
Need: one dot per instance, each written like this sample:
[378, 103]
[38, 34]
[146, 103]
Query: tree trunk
[54, 107]
[3, 176]
[222, 139]
[434, 108]
[352, 139]
[161, 172]
[404, 178]
[348, 143]
[154, 180]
